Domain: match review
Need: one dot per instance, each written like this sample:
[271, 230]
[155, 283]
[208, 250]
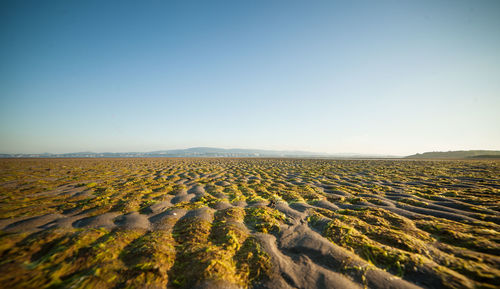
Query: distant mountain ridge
[471, 154]
[199, 152]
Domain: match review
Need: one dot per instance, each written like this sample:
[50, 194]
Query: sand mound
[166, 220]
[289, 212]
[303, 241]
[197, 190]
[182, 198]
[34, 223]
[299, 272]
[223, 183]
[64, 222]
[240, 204]
[133, 221]
[158, 207]
[326, 205]
[181, 192]
[101, 221]
[221, 205]
[302, 207]
[220, 195]
[203, 213]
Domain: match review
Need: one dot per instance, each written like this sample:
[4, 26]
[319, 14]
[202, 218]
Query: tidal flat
[249, 223]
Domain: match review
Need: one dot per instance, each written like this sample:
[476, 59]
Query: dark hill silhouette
[474, 154]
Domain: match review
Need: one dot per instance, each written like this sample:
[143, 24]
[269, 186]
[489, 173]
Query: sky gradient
[378, 77]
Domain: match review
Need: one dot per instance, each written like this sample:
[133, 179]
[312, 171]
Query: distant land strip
[209, 152]
[200, 152]
[471, 154]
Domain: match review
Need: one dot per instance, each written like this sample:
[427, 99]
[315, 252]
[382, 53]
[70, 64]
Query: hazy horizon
[245, 148]
[185, 148]
[385, 77]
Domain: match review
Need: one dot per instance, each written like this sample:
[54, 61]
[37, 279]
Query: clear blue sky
[389, 77]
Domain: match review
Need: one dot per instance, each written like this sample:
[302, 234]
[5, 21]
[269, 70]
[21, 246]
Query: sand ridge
[243, 223]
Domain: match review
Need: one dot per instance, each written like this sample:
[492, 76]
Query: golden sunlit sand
[249, 223]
